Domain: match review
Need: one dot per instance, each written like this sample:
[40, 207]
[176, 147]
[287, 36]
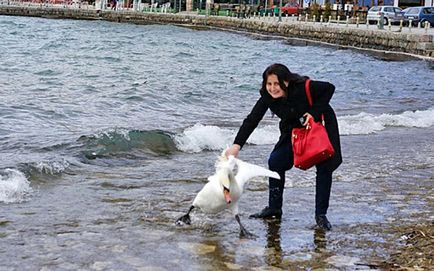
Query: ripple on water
[114, 98]
[47, 72]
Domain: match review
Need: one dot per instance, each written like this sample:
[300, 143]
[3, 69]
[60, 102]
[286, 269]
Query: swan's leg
[185, 218]
[243, 231]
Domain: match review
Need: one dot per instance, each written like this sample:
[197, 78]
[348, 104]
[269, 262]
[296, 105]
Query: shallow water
[107, 132]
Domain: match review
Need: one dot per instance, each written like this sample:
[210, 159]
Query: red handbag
[311, 144]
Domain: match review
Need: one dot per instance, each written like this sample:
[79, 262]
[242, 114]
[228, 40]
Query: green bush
[327, 11]
[315, 10]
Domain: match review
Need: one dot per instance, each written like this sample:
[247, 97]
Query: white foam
[265, 135]
[365, 123]
[52, 167]
[14, 186]
[201, 137]
[113, 133]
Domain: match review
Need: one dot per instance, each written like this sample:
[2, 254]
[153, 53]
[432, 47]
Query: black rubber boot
[268, 212]
[322, 222]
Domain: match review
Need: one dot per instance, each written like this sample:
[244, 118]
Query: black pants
[281, 160]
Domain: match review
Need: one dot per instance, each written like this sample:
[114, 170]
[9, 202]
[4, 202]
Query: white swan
[225, 188]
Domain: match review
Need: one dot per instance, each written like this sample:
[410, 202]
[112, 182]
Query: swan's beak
[227, 195]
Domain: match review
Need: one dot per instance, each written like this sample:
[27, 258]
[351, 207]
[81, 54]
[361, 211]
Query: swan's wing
[226, 162]
[246, 171]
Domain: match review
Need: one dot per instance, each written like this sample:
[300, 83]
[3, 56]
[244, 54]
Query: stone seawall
[419, 44]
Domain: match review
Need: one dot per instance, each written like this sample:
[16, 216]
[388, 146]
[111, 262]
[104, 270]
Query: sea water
[107, 132]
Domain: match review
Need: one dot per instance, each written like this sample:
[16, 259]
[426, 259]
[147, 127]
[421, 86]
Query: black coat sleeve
[321, 93]
[251, 122]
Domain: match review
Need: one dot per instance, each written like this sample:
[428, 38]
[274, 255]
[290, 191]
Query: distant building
[337, 4]
[360, 3]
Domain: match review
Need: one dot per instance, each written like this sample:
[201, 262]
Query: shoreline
[117, 126]
[387, 45]
[381, 54]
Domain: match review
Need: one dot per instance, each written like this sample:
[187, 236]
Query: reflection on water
[94, 130]
[319, 240]
[273, 254]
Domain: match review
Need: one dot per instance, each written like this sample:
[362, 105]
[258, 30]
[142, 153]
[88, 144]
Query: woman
[284, 94]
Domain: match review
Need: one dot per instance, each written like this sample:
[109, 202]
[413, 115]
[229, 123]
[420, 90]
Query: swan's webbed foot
[246, 234]
[185, 219]
[243, 232]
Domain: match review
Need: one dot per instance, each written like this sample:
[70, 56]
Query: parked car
[405, 20]
[391, 14]
[420, 14]
[291, 9]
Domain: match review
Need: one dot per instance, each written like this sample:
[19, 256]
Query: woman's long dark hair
[283, 75]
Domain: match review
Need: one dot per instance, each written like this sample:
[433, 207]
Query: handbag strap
[309, 97]
[307, 88]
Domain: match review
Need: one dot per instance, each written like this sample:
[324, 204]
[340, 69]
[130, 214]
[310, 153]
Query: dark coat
[290, 109]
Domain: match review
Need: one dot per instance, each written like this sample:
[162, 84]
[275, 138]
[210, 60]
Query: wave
[44, 170]
[47, 72]
[183, 55]
[139, 144]
[14, 186]
[203, 137]
[364, 123]
[123, 142]
[200, 137]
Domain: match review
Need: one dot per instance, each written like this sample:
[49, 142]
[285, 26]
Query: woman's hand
[233, 150]
[307, 117]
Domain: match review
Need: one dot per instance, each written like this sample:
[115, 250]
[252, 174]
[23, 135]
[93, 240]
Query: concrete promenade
[390, 42]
